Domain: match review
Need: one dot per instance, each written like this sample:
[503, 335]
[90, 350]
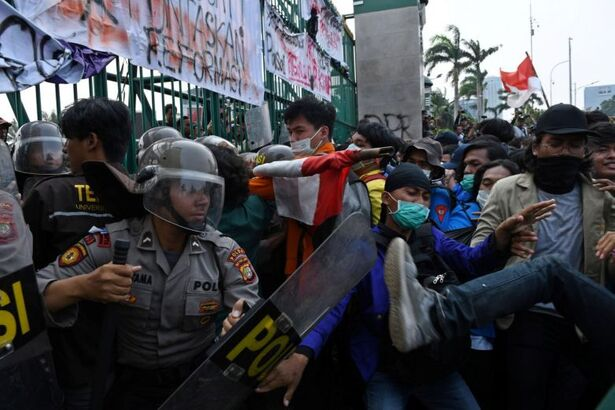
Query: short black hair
[180, 121]
[480, 172]
[378, 135]
[318, 113]
[494, 151]
[449, 149]
[502, 129]
[236, 176]
[168, 107]
[108, 119]
[487, 138]
[595, 116]
[605, 134]
[517, 155]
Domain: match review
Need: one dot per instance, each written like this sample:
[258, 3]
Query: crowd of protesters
[212, 230]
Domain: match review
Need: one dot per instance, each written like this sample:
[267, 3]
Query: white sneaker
[410, 324]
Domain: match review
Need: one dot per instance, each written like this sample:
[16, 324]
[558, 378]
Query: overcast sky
[506, 22]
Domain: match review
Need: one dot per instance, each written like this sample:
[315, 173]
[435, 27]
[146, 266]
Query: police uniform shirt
[29, 364]
[60, 210]
[15, 238]
[171, 313]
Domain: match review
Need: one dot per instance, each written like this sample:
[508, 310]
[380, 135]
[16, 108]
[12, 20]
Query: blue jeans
[385, 392]
[547, 367]
[519, 287]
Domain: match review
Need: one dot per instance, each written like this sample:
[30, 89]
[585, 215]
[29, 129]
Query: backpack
[428, 363]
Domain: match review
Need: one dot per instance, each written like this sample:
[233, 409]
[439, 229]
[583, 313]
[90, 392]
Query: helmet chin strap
[181, 221]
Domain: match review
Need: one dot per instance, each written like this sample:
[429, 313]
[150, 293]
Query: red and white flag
[521, 83]
[310, 190]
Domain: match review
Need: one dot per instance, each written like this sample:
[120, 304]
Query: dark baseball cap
[4, 123]
[456, 158]
[562, 119]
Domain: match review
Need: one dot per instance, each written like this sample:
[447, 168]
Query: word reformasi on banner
[295, 57]
[329, 35]
[210, 44]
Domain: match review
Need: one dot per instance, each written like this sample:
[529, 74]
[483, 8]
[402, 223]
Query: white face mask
[482, 197]
[303, 148]
[427, 173]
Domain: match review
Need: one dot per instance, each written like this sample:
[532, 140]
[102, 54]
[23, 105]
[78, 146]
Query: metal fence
[147, 92]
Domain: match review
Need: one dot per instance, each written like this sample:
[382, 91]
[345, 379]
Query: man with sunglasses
[545, 354]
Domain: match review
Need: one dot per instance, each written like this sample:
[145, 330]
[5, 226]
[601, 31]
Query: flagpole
[544, 95]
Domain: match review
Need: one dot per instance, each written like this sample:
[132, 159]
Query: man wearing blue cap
[543, 369]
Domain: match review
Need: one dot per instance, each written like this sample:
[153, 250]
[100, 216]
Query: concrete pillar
[389, 64]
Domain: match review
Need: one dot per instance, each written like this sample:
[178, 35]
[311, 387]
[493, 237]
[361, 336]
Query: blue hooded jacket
[373, 299]
[447, 217]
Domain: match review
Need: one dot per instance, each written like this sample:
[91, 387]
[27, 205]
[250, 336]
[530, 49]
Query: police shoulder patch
[104, 241]
[240, 261]
[8, 230]
[73, 256]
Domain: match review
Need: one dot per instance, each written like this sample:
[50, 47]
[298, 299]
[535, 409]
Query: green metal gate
[146, 92]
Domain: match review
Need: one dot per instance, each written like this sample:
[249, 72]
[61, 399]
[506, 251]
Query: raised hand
[522, 221]
[604, 185]
[109, 283]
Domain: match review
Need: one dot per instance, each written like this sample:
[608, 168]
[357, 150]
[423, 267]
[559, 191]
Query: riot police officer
[38, 154]
[155, 134]
[60, 210]
[26, 367]
[180, 272]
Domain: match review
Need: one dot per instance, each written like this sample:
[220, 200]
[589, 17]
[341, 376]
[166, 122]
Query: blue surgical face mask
[467, 182]
[409, 215]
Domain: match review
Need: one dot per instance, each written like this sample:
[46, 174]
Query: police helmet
[180, 184]
[272, 153]
[155, 134]
[217, 141]
[39, 149]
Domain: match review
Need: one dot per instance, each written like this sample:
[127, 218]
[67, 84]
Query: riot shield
[258, 127]
[26, 367]
[274, 327]
[8, 182]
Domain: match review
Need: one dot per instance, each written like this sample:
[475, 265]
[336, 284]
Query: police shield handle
[120, 251]
[108, 328]
[120, 254]
[371, 153]
[239, 308]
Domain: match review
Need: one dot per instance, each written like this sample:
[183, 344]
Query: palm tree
[441, 109]
[447, 50]
[468, 86]
[474, 56]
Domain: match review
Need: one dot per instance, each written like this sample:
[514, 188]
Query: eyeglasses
[557, 147]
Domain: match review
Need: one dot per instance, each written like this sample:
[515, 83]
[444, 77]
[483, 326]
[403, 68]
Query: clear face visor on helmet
[188, 199]
[40, 156]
